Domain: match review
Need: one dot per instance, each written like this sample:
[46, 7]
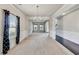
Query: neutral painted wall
[47, 26]
[23, 21]
[71, 22]
[30, 27]
[67, 26]
[51, 27]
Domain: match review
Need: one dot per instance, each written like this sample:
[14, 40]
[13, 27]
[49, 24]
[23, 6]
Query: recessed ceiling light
[63, 14]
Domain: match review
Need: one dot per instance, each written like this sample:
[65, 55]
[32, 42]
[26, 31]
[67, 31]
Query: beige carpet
[39, 44]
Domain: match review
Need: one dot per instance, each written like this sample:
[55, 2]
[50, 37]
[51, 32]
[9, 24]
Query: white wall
[47, 26]
[68, 25]
[71, 22]
[71, 26]
[30, 27]
[23, 21]
[53, 22]
[51, 27]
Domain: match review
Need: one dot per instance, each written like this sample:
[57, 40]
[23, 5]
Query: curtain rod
[10, 12]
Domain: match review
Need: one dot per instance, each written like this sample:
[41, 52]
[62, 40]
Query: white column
[52, 27]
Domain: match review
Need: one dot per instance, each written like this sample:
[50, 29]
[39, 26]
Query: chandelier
[37, 17]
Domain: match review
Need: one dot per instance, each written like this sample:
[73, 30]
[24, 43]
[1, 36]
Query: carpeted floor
[39, 44]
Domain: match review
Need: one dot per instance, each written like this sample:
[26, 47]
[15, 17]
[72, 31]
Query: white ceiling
[43, 10]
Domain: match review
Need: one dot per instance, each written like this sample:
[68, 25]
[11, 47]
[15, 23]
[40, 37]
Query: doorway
[38, 27]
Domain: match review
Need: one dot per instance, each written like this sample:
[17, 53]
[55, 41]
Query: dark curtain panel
[18, 30]
[6, 44]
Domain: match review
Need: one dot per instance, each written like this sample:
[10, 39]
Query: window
[12, 30]
[12, 25]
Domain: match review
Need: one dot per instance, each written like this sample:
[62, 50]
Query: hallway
[39, 29]
[39, 44]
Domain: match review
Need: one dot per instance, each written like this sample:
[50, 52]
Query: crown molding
[19, 9]
[66, 12]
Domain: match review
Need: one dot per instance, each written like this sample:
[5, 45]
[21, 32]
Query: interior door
[38, 27]
[35, 27]
[41, 28]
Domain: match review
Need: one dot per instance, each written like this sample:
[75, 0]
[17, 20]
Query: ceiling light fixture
[37, 7]
[37, 13]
